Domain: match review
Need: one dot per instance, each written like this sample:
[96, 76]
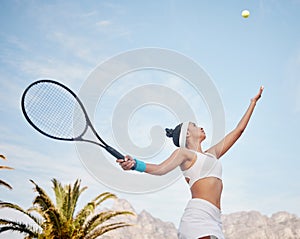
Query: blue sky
[67, 40]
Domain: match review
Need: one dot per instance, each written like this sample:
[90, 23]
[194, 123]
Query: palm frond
[101, 230]
[19, 209]
[42, 204]
[5, 184]
[42, 201]
[5, 167]
[75, 194]
[83, 214]
[7, 225]
[90, 207]
[67, 197]
[57, 220]
[59, 192]
[102, 217]
[103, 197]
[54, 220]
[67, 201]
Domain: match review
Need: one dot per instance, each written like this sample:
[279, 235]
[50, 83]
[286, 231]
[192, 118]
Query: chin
[202, 138]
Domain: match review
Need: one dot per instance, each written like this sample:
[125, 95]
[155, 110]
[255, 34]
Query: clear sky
[66, 40]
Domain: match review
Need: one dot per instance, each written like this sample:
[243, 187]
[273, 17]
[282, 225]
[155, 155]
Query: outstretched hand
[257, 97]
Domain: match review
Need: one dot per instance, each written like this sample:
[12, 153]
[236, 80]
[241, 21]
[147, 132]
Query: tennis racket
[55, 111]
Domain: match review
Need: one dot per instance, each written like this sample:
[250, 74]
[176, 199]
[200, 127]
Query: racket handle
[114, 152]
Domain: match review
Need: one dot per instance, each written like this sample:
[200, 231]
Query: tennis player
[202, 170]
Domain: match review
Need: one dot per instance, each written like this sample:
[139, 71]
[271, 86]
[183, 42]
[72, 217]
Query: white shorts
[200, 218]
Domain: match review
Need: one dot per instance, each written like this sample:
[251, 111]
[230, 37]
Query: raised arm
[225, 144]
[175, 160]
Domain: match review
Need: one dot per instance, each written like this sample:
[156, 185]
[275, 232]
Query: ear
[188, 133]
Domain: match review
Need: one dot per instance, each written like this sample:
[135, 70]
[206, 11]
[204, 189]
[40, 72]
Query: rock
[253, 225]
[145, 226]
[239, 225]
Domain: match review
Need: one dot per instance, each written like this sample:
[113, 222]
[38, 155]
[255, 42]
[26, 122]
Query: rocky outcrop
[145, 226]
[254, 225]
[239, 225]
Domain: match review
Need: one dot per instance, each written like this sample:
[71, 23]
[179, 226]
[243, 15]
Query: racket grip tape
[114, 152]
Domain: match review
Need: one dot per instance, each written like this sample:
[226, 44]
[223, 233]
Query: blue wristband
[139, 166]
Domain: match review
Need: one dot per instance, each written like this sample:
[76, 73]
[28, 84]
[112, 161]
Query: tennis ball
[245, 13]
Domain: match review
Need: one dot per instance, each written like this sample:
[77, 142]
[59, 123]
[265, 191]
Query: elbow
[239, 131]
[157, 174]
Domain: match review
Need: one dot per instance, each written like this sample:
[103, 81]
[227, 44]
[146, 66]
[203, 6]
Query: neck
[195, 147]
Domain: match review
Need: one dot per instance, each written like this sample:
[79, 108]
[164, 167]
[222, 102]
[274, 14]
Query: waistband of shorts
[200, 201]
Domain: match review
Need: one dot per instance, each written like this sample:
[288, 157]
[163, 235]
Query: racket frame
[89, 124]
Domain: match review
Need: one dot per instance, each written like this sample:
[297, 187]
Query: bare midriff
[209, 189]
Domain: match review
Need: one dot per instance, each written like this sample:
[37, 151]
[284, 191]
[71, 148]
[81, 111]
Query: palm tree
[55, 221]
[4, 167]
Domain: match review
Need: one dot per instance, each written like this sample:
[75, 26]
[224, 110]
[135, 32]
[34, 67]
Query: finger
[128, 164]
[261, 89]
[125, 163]
[128, 157]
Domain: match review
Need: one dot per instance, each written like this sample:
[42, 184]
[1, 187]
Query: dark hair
[174, 133]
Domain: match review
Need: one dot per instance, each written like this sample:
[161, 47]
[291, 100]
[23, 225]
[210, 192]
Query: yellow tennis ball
[245, 13]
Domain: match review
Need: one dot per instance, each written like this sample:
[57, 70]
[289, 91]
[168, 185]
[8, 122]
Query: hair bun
[169, 132]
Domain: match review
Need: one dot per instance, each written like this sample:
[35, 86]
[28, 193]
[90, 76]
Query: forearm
[225, 144]
[173, 161]
[245, 119]
[154, 169]
[167, 165]
[141, 166]
[157, 169]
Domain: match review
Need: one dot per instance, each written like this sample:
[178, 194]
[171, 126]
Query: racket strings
[54, 110]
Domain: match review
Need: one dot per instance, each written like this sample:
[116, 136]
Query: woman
[202, 171]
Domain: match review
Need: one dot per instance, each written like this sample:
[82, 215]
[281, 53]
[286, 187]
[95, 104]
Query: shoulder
[184, 154]
[212, 152]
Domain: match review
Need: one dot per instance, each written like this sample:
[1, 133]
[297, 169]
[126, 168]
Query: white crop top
[206, 165]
